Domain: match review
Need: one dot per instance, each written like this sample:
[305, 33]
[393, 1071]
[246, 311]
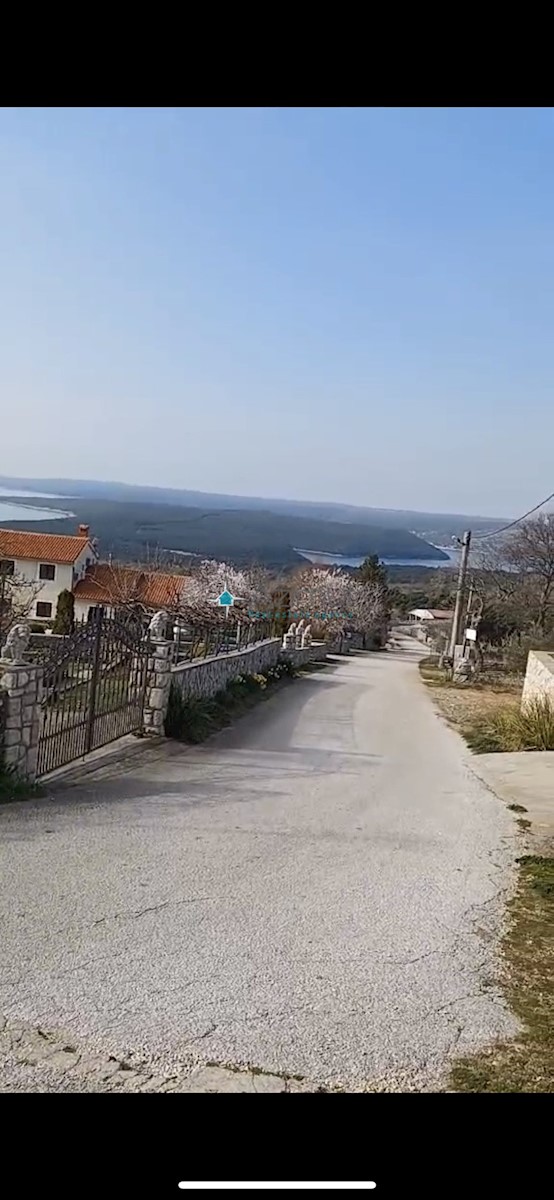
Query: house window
[47, 571]
[44, 608]
[7, 566]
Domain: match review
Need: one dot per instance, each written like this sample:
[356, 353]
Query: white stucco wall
[28, 569]
[85, 559]
[539, 677]
[66, 574]
[82, 608]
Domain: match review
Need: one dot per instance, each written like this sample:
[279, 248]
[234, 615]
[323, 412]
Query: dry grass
[490, 717]
[526, 1063]
[462, 704]
[507, 729]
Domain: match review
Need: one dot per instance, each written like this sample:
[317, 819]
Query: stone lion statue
[158, 626]
[16, 643]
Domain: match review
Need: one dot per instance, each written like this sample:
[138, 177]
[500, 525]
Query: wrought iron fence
[223, 637]
[94, 689]
[43, 646]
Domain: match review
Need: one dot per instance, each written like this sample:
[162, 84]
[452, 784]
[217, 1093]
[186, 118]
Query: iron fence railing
[94, 689]
[43, 646]
[192, 642]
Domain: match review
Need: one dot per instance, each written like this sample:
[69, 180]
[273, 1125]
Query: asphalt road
[317, 891]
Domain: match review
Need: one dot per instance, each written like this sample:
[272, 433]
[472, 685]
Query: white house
[49, 562]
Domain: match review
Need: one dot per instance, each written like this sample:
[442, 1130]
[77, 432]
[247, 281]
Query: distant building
[51, 562]
[430, 614]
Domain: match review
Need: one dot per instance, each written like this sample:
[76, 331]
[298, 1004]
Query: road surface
[316, 892]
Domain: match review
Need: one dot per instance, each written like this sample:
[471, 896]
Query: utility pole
[466, 541]
[469, 603]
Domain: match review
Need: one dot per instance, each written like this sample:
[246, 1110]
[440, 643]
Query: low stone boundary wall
[539, 677]
[204, 677]
[317, 652]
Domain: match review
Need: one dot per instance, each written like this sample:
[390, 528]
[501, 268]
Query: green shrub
[194, 720]
[65, 613]
[15, 787]
[537, 721]
[510, 729]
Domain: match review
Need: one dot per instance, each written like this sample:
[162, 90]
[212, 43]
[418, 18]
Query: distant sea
[341, 560]
[24, 512]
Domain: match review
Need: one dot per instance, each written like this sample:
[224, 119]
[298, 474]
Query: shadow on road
[259, 747]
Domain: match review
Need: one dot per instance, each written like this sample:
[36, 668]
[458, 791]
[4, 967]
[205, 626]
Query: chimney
[83, 530]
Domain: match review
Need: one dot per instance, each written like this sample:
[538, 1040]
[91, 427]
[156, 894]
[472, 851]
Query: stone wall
[539, 677]
[21, 687]
[206, 676]
[317, 652]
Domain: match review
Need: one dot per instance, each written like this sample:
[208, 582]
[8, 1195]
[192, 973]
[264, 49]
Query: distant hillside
[434, 526]
[129, 530]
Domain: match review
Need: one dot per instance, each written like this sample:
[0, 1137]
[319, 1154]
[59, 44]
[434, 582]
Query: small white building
[48, 562]
[417, 615]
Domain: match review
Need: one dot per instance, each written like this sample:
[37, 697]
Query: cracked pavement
[311, 900]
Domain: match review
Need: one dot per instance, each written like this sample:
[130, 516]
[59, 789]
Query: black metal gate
[94, 689]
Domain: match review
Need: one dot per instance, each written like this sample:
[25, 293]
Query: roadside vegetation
[489, 716]
[193, 720]
[13, 787]
[525, 1063]
[238, 533]
[508, 728]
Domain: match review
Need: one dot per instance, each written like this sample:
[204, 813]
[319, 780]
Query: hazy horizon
[6, 491]
[352, 304]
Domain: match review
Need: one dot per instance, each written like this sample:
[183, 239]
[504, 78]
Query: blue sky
[342, 304]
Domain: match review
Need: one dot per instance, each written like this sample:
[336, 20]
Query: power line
[503, 528]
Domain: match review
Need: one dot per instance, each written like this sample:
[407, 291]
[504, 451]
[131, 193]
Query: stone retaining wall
[206, 676]
[539, 677]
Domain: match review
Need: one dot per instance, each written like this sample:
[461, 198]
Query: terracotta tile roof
[161, 590]
[106, 583]
[45, 547]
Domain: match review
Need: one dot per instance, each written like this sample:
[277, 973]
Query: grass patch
[510, 728]
[15, 787]
[491, 720]
[193, 720]
[464, 705]
[525, 1064]
[431, 673]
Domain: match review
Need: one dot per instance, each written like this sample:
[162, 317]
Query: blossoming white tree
[321, 598]
[336, 601]
[205, 582]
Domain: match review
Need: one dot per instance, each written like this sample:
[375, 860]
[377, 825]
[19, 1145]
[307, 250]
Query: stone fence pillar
[158, 683]
[21, 688]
